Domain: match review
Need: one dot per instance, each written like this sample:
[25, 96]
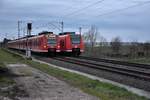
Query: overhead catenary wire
[83, 8]
[107, 13]
[123, 9]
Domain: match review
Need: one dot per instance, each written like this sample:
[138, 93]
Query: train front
[77, 43]
[52, 44]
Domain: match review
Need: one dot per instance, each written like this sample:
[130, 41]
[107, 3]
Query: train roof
[33, 36]
[65, 33]
[45, 32]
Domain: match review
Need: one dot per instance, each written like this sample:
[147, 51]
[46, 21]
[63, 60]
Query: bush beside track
[102, 90]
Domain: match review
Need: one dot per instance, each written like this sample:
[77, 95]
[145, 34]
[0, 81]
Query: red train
[47, 42]
[71, 43]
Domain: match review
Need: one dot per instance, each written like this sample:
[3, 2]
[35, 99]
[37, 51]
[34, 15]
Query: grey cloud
[40, 12]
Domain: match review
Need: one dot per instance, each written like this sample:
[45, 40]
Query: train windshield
[75, 39]
[52, 41]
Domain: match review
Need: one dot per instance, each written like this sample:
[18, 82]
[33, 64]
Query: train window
[36, 42]
[51, 41]
[33, 43]
[75, 39]
[39, 42]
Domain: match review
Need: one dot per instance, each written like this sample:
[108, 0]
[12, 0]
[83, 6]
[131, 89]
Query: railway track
[137, 78]
[146, 66]
[140, 74]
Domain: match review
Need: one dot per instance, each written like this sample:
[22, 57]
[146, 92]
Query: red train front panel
[71, 42]
[52, 44]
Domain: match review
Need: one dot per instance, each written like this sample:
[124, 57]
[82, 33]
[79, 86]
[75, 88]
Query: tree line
[115, 48]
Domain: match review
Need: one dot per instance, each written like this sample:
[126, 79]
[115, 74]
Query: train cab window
[51, 41]
[75, 39]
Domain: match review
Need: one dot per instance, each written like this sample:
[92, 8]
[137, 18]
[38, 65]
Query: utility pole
[80, 30]
[19, 28]
[62, 26]
[24, 31]
[6, 35]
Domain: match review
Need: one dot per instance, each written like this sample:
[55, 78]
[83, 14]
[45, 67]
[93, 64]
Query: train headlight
[58, 46]
[75, 46]
[44, 46]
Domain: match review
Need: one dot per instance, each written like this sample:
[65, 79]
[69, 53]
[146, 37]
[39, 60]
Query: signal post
[28, 49]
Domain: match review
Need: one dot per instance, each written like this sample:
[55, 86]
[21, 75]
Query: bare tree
[116, 45]
[86, 41]
[103, 41]
[90, 37]
[93, 32]
[133, 48]
[102, 45]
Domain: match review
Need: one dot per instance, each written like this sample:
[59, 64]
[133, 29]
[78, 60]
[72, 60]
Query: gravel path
[41, 86]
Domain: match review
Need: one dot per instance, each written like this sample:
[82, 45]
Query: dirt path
[41, 86]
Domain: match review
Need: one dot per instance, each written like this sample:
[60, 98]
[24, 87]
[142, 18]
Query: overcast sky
[132, 24]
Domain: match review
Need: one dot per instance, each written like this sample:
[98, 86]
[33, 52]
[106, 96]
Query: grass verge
[104, 91]
[5, 80]
[143, 60]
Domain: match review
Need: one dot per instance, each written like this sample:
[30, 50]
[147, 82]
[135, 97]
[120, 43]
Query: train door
[61, 44]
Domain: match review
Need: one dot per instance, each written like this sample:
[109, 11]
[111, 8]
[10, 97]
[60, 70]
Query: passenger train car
[71, 43]
[45, 42]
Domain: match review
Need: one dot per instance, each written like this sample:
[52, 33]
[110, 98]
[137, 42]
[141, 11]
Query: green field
[104, 91]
